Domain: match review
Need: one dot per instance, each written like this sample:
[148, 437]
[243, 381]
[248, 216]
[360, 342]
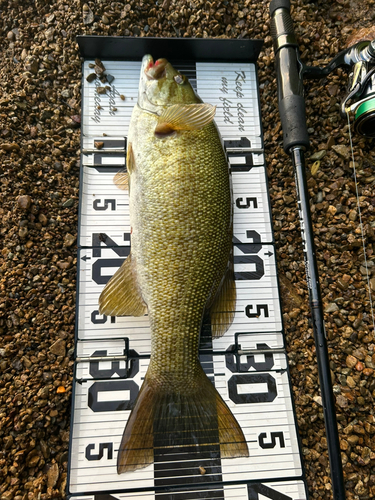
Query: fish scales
[181, 219]
[179, 267]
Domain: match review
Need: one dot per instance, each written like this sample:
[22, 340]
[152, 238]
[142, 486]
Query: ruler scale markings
[269, 426]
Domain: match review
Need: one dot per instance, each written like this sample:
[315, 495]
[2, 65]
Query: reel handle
[289, 72]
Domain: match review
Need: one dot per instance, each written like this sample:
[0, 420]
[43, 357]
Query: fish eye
[179, 79]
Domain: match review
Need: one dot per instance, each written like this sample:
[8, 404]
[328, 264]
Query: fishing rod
[360, 60]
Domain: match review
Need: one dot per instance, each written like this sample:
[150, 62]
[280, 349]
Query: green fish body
[179, 267]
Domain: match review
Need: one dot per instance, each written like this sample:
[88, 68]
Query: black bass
[179, 268]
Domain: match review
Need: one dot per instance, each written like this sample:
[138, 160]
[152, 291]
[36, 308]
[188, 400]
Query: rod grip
[279, 4]
[289, 77]
[293, 121]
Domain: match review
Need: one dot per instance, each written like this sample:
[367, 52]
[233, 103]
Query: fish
[180, 267]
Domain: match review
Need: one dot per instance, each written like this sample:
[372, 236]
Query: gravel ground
[40, 89]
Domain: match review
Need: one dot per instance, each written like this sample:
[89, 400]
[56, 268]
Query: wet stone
[351, 382]
[88, 15]
[32, 461]
[32, 65]
[7, 442]
[91, 77]
[22, 232]
[43, 392]
[332, 307]
[10, 146]
[49, 34]
[319, 155]
[58, 348]
[353, 215]
[342, 401]
[360, 488]
[42, 219]
[343, 284]
[352, 439]
[351, 361]
[342, 150]
[69, 240]
[52, 475]
[7, 495]
[68, 203]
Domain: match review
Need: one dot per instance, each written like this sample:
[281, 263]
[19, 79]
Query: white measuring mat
[248, 364]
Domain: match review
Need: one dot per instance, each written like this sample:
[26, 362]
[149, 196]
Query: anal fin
[121, 295]
[223, 307]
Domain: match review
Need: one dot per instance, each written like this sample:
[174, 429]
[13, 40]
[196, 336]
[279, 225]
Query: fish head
[162, 85]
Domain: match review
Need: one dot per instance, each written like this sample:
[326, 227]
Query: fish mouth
[153, 70]
[156, 84]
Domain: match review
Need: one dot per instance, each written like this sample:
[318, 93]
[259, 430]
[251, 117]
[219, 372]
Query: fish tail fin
[194, 416]
[137, 444]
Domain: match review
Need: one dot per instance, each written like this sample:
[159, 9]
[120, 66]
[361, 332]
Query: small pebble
[91, 77]
[88, 15]
[351, 361]
[52, 475]
[342, 151]
[68, 203]
[58, 348]
[319, 155]
[9, 147]
[332, 307]
[24, 201]
[342, 401]
[69, 240]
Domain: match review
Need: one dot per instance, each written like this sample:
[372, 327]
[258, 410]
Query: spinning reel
[359, 59]
[361, 88]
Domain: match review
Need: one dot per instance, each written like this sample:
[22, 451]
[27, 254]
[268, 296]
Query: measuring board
[248, 365]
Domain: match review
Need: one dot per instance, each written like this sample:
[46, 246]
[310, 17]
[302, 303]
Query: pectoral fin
[188, 117]
[121, 180]
[121, 295]
[130, 160]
